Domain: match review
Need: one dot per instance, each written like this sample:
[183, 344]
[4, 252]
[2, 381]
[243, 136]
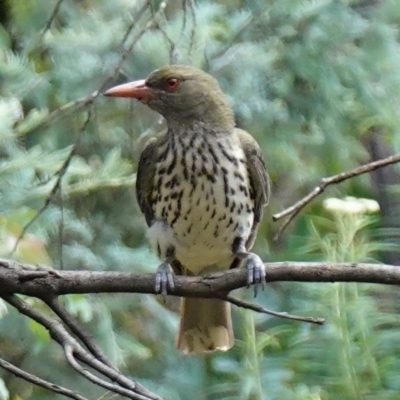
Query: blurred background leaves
[316, 82]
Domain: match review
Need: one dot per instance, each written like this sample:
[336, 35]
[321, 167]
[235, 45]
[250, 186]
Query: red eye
[172, 83]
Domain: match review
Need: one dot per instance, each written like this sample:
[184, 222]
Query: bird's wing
[145, 183]
[259, 180]
[145, 176]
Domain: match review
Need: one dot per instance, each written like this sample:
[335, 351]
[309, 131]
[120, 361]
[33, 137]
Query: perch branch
[25, 279]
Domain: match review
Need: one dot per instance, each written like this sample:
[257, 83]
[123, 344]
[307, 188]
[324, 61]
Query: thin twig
[53, 192]
[194, 26]
[223, 50]
[184, 22]
[293, 210]
[173, 56]
[127, 49]
[76, 329]
[69, 351]
[61, 112]
[39, 381]
[51, 19]
[255, 307]
[38, 39]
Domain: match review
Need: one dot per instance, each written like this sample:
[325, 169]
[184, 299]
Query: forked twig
[76, 329]
[293, 210]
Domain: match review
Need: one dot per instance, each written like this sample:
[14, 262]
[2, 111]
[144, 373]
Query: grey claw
[164, 279]
[255, 272]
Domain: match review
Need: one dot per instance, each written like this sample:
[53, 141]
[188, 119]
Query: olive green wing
[145, 176]
[259, 180]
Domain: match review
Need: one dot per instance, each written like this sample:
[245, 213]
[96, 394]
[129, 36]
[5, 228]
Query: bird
[202, 186]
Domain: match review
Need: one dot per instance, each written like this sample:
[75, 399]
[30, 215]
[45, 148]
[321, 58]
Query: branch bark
[16, 278]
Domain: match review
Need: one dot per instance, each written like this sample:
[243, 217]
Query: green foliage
[309, 79]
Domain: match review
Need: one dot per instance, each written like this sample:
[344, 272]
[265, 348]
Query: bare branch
[293, 210]
[86, 339]
[39, 381]
[24, 279]
[255, 307]
[37, 41]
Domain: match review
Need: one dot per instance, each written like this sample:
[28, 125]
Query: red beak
[136, 90]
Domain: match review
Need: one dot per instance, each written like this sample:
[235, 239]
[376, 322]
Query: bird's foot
[255, 271]
[164, 279]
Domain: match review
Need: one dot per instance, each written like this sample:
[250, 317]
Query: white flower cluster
[351, 205]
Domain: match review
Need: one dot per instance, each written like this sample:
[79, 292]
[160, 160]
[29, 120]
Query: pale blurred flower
[351, 205]
[11, 109]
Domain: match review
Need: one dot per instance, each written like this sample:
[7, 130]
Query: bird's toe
[255, 271]
[164, 279]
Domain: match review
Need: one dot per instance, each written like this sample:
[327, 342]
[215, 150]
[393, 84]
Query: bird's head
[182, 94]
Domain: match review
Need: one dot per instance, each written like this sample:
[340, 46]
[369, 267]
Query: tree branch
[293, 210]
[26, 279]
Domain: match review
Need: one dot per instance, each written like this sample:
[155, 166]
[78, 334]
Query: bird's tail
[206, 325]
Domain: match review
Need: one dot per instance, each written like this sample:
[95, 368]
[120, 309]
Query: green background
[318, 85]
